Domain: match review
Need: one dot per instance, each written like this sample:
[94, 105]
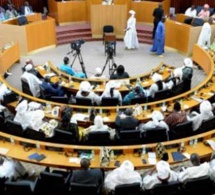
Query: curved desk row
[204, 90]
[64, 156]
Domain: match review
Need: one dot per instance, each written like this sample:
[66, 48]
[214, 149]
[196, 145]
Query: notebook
[177, 156]
[33, 156]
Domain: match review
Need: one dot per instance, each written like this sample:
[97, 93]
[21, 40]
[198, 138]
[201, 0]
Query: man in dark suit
[87, 175]
[26, 9]
[157, 13]
[126, 121]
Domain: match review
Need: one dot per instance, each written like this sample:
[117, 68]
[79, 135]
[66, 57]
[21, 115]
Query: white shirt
[27, 10]
[194, 172]
[205, 35]
[154, 88]
[3, 90]
[191, 13]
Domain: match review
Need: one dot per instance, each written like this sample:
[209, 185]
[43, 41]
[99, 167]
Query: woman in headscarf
[175, 79]
[156, 122]
[99, 126]
[157, 86]
[125, 174]
[205, 114]
[160, 174]
[110, 91]
[98, 74]
[137, 92]
[85, 91]
[130, 39]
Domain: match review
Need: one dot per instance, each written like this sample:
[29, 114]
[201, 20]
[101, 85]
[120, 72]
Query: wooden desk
[39, 34]
[9, 57]
[61, 157]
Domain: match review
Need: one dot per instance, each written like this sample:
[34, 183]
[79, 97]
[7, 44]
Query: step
[71, 39]
[67, 35]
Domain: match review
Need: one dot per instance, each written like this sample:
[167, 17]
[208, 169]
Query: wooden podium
[37, 34]
[115, 15]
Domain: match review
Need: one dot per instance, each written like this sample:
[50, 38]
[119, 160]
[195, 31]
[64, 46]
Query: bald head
[160, 5]
[195, 159]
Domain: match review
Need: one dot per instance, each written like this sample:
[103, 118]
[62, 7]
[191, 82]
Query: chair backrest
[171, 188]
[127, 189]
[207, 125]
[83, 101]
[18, 188]
[109, 101]
[154, 135]
[59, 99]
[44, 94]
[2, 123]
[63, 137]
[33, 134]
[14, 128]
[139, 100]
[201, 185]
[108, 29]
[51, 183]
[9, 97]
[83, 189]
[98, 138]
[162, 94]
[25, 87]
[129, 136]
[22, 20]
[177, 89]
[182, 130]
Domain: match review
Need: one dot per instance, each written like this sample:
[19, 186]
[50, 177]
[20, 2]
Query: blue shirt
[65, 68]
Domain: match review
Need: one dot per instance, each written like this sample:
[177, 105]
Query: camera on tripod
[110, 48]
[76, 45]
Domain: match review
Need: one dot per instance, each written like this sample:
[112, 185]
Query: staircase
[70, 33]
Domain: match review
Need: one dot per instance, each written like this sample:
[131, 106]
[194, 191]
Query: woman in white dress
[130, 39]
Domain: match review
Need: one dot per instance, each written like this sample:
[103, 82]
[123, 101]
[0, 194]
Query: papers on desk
[211, 143]
[197, 99]
[80, 117]
[74, 160]
[50, 74]
[152, 158]
[4, 151]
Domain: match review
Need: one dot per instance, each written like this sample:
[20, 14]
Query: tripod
[110, 63]
[78, 54]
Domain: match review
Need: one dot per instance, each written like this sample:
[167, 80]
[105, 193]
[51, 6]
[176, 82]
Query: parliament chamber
[64, 153]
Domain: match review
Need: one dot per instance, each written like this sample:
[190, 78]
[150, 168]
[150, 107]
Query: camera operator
[69, 70]
[120, 73]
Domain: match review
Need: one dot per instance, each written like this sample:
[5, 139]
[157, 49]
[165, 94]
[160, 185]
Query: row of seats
[58, 183]
[123, 137]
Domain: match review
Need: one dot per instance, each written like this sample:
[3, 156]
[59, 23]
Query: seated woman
[175, 78]
[85, 91]
[138, 91]
[110, 91]
[69, 70]
[205, 113]
[27, 117]
[99, 126]
[157, 86]
[156, 122]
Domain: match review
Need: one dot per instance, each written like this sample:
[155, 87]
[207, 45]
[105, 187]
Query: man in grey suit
[87, 175]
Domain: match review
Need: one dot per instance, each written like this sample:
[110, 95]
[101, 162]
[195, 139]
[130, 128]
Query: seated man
[87, 175]
[125, 174]
[126, 121]
[120, 73]
[85, 91]
[32, 80]
[51, 88]
[191, 11]
[26, 9]
[176, 117]
[162, 173]
[98, 74]
[205, 12]
[11, 168]
[69, 70]
[196, 171]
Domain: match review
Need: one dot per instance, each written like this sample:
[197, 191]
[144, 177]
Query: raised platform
[69, 33]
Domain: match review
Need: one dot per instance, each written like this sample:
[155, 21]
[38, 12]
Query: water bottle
[38, 146]
[112, 155]
[195, 143]
[93, 154]
[143, 152]
[12, 140]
